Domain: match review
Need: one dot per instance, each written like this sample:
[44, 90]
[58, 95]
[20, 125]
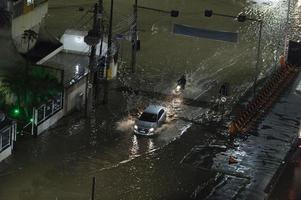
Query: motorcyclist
[182, 81]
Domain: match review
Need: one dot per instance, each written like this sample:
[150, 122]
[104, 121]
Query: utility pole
[100, 13]
[134, 37]
[287, 28]
[93, 188]
[98, 68]
[92, 39]
[135, 41]
[257, 58]
[109, 56]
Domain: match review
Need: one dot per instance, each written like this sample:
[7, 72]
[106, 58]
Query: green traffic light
[31, 120]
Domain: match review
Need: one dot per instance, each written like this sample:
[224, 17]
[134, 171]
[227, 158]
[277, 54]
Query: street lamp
[135, 41]
[242, 18]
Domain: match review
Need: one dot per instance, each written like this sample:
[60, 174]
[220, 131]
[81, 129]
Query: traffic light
[241, 17]
[138, 45]
[174, 13]
[208, 13]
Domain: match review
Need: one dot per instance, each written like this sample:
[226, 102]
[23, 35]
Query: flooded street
[60, 163]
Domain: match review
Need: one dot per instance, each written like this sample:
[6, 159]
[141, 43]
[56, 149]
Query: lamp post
[92, 39]
[134, 37]
[242, 18]
[135, 41]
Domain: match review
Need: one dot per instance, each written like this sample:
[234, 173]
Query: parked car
[151, 119]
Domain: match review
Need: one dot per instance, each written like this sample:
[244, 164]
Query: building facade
[8, 131]
[25, 15]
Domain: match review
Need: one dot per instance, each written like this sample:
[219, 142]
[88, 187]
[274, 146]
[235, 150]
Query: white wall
[69, 104]
[4, 154]
[49, 122]
[31, 20]
[71, 94]
[73, 41]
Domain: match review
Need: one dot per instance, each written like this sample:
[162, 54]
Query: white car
[151, 118]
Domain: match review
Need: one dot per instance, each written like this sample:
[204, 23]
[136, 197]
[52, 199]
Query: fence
[7, 135]
[263, 100]
[46, 110]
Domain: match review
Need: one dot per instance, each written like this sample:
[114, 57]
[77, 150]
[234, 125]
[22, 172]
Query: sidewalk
[288, 185]
[261, 155]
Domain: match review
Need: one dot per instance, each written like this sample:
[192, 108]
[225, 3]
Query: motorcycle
[179, 87]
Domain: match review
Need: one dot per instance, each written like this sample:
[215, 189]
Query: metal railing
[7, 135]
[47, 109]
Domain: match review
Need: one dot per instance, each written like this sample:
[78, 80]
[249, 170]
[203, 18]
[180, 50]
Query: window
[149, 117]
[5, 139]
[161, 113]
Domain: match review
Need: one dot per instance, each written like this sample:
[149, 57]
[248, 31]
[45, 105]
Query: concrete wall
[49, 122]
[75, 96]
[4, 154]
[9, 56]
[31, 20]
[49, 56]
[8, 151]
[71, 102]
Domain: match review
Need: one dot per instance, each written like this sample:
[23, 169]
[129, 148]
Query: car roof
[153, 109]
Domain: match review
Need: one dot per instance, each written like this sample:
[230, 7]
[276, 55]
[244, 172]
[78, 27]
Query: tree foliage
[26, 89]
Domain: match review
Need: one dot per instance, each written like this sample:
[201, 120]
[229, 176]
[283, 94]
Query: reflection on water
[134, 147]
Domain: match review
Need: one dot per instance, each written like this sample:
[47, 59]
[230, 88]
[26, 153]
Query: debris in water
[232, 160]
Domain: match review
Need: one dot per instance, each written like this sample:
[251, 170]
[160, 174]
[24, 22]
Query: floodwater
[60, 164]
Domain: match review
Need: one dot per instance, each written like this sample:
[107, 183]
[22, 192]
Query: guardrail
[265, 98]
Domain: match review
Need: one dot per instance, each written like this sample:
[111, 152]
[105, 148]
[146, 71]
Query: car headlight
[151, 129]
[135, 127]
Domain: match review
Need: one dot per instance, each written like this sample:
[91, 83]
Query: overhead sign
[205, 33]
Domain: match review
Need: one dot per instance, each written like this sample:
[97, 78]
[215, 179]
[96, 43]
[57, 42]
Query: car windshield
[149, 117]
